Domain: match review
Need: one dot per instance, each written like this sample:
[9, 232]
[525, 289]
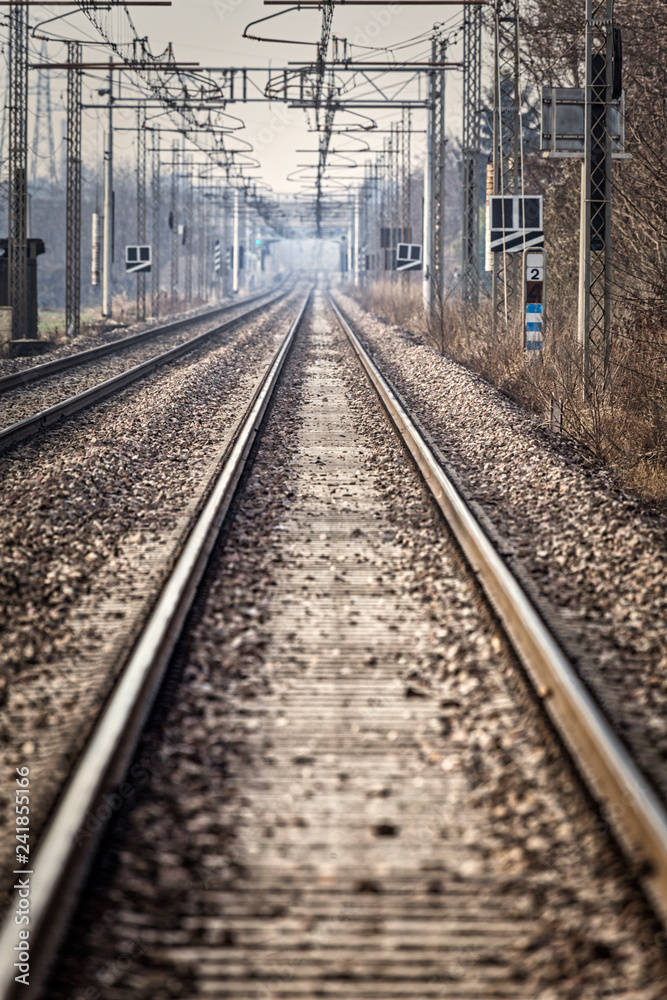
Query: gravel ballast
[348, 791]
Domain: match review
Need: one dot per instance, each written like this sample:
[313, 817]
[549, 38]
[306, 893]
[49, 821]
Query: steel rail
[627, 801]
[37, 372]
[67, 407]
[66, 849]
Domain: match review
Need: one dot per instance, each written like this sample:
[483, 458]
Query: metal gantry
[73, 209]
[596, 273]
[18, 163]
[470, 153]
[506, 149]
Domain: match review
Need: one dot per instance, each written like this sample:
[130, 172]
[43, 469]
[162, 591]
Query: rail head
[627, 801]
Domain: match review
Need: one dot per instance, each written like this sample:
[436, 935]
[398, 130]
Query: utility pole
[506, 149]
[470, 153]
[235, 256]
[595, 246]
[18, 163]
[43, 130]
[434, 183]
[406, 182]
[155, 235]
[73, 181]
[357, 255]
[108, 238]
[188, 234]
[141, 207]
[173, 225]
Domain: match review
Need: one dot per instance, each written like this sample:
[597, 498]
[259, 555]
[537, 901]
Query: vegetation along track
[38, 397]
[351, 794]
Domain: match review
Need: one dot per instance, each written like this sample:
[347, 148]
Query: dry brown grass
[625, 427]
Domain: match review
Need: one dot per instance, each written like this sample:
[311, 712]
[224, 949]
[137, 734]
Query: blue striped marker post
[534, 300]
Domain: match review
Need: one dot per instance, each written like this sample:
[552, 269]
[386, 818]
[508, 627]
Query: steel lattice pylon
[406, 182]
[438, 150]
[470, 152]
[18, 163]
[174, 227]
[595, 310]
[155, 230]
[189, 232]
[43, 128]
[506, 148]
[73, 222]
[141, 207]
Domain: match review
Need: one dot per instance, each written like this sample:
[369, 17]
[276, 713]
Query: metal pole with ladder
[17, 250]
[470, 153]
[596, 270]
[506, 152]
[73, 208]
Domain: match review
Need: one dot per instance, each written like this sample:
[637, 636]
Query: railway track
[365, 803]
[26, 406]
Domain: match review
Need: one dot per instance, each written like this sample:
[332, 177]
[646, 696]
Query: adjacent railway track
[341, 730]
[36, 422]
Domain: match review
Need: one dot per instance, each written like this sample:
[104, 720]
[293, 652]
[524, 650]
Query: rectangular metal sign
[409, 257]
[564, 123]
[516, 223]
[138, 259]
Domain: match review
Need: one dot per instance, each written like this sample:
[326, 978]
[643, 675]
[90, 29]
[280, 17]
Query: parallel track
[61, 863]
[26, 428]
[38, 372]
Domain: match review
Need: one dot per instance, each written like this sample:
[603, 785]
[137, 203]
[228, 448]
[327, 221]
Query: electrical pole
[406, 182]
[18, 163]
[141, 207]
[470, 153]
[73, 182]
[43, 130]
[506, 148]
[595, 248]
[157, 215]
[235, 256]
[108, 239]
[173, 225]
[357, 255]
[434, 183]
[188, 234]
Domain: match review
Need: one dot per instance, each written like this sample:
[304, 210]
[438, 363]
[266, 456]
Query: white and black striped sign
[217, 257]
[138, 259]
[516, 240]
[409, 257]
[516, 223]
